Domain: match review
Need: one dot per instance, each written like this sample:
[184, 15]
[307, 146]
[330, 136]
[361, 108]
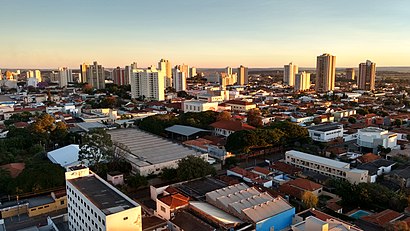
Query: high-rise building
[10, 76]
[178, 80]
[228, 70]
[242, 75]
[118, 76]
[64, 76]
[94, 204]
[165, 66]
[350, 73]
[325, 73]
[193, 72]
[34, 74]
[289, 73]
[148, 84]
[367, 76]
[1, 75]
[95, 75]
[83, 73]
[302, 81]
[184, 68]
[128, 71]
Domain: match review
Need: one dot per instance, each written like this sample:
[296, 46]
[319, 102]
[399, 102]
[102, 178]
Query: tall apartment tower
[83, 73]
[118, 76]
[65, 76]
[289, 73]
[148, 84]
[350, 73]
[242, 76]
[325, 73]
[184, 68]
[165, 66]
[95, 75]
[228, 70]
[128, 71]
[178, 80]
[94, 204]
[193, 72]
[367, 76]
[302, 81]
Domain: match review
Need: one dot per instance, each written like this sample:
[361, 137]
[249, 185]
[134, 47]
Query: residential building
[147, 84]
[198, 106]
[128, 71]
[119, 77]
[94, 204]
[240, 105]
[227, 127]
[168, 204]
[325, 73]
[178, 80]
[372, 137]
[95, 75]
[228, 70]
[185, 69]
[326, 132]
[297, 187]
[325, 166]
[165, 66]
[367, 76]
[302, 81]
[32, 74]
[83, 73]
[227, 79]
[350, 73]
[193, 72]
[65, 76]
[243, 75]
[249, 204]
[289, 74]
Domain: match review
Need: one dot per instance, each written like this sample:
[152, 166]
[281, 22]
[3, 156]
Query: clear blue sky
[203, 33]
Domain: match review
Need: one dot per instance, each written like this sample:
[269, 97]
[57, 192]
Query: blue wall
[278, 222]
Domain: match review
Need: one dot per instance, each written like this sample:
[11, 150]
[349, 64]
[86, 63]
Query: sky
[203, 33]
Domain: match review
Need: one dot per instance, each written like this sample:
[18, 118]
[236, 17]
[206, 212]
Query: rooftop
[101, 195]
[184, 130]
[318, 159]
[232, 125]
[325, 127]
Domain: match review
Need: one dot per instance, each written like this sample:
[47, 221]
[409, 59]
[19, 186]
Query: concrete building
[325, 73]
[240, 106]
[372, 137]
[165, 66]
[31, 74]
[326, 132]
[367, 76]
[289, 73]
[350, 73]
[249, 204]
[147, 153]
[325, 166]
[193, 72]
[228, 70]
[83, 73]
[185, 69]
[94, 204]
[148, 84]
[243, 78]
[178, 80]
[119, 77]
[198, 106]
[95, 76]
[302, 81]
[65, 76]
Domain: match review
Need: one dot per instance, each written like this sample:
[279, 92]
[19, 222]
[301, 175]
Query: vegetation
[188, 168]
[309, 199]
[254, 118]
[96, 147]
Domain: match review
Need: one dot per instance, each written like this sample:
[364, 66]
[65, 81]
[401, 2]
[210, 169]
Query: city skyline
[204, 34]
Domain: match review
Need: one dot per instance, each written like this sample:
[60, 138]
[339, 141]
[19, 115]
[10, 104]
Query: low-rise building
[325, 166]
[326, 132]
[240, 105]
[198, 106]
[372, 137]
[227, 127]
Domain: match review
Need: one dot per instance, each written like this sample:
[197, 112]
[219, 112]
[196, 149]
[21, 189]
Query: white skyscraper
[65, 76]
[148, 84]
[302, 81]
[178, 80]
[289, 74]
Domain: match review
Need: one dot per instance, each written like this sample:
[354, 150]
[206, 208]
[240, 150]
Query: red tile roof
[383, 217]
[14, 168]
[175, 200]
[261, 170]
[238, 102]
[285, 168]
[291, 191]
[305, 184]
[369, 157]
[244, 173]
[232, 125]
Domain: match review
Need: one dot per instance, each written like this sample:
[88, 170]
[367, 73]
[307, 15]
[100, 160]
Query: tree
[224, 115]
[309, 199]
[109, 102]
[352, 120]
[398, 226]
[398, 122]
[136, 181]
[96, 147]
[292, 132]
[193, 167]
[254, 118]
[362, 111]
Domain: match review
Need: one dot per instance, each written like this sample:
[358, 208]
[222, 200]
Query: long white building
[326, 132]
[94, 204]
[148, 84]
[326, 166]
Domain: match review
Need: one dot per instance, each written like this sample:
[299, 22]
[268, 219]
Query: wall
[163, 210]
[126, 220]
[59, 203]
[278, 222]
[14, 211]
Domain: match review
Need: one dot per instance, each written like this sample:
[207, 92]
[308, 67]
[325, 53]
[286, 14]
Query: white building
[325, 166]
[289, 74]
[178, 80]
[65, 76]
[94, 204]
[65, 156]
[32, 82]
[302, 81]
[326, 132]
[198, 106]
[372, 137]
[148, 84]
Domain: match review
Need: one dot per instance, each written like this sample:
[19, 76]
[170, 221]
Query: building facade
[95, 76]
[178, 80]
[325, 73]
[372, 137]
[65, 76]
[302, 81]
[367, 76]
[198, 106]
[148, 84]
[119, 77]
[350, 73]
[165, 66]
[289, 73]
[326, 132]
[243, 75]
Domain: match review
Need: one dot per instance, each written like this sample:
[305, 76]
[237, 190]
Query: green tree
[362, 111]
[193, 167]
[96, 147]
[224, 115]
[169, 174]
[309, 199]
[136, 181]
[254, 118]
[352, 120]
[398, 122]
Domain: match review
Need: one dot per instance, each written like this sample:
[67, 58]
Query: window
[61, 202]
[163, 209]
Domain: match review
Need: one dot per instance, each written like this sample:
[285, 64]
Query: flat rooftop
[318, 159]
[101, 195]
[144, 149]
[325, 127]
